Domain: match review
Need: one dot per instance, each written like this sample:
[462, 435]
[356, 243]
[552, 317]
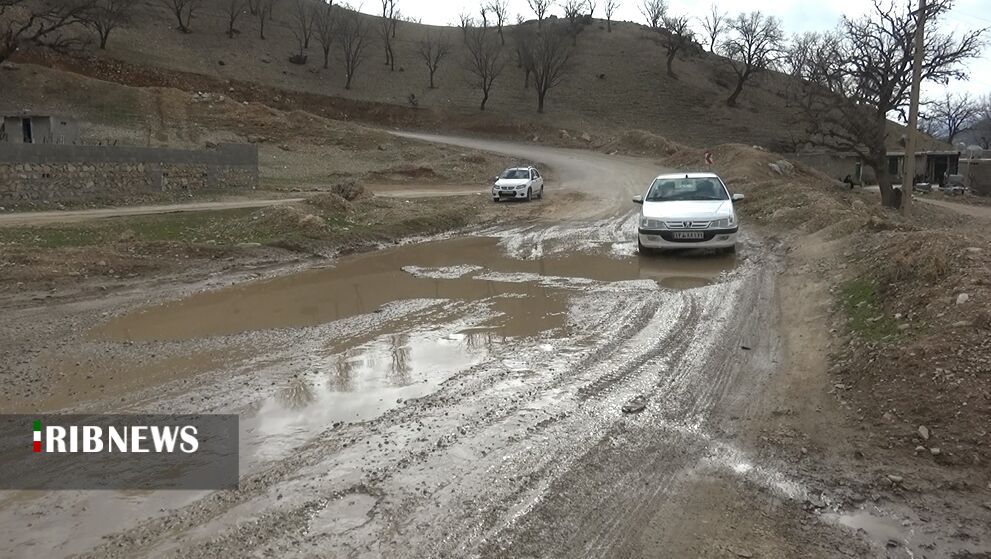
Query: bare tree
[301, 19]
[653, 11]
[323, 25]
[539, 8]
[263, 9]
[183, 10]
[984, 122]
[233, 10]
[42, 22]
[352, 38]
[714, 24]
[679, 36]
[591, 8]
[610, 7]
[756, 45]
[573, 15]
[433, 50]
[549, 56]
[849, 94]
[106, 15]
[499, 9]
[465, 22]
[484, 61]
[952, 115]
[521, 34]
[386, 31]
[484, 10]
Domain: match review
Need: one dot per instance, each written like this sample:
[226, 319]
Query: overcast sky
[796, 15]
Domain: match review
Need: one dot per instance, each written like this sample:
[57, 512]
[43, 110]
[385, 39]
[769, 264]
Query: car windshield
[670, 190]
[516, 174]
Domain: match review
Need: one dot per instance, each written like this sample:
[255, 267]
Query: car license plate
[689, 235]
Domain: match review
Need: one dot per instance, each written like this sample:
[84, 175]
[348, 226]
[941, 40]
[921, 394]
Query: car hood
[689, 209]
[511, 182]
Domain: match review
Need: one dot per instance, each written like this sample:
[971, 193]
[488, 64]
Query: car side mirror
[737, 197]
[638, 199]
[497, 177]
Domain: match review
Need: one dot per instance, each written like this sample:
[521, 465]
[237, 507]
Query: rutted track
[519, 448]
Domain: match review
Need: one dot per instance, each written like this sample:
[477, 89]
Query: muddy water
[466, 269]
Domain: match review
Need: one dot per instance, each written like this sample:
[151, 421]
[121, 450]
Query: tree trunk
[261, 28]
[347, 84]
[540, 101]
[670, 62]
[608, 26]
[526, 79]
[104, 36]
[731, 102]
[326, 57]
[432, 79]
[485, 97]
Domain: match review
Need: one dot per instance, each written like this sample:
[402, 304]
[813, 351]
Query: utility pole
[908, 181]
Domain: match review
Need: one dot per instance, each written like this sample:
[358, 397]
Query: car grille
[683, 225]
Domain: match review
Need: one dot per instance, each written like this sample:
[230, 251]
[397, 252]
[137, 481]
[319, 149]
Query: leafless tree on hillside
[953, 114]
[352, 38]
[575, 18]
[499, 9]
[301, 19]
[610, 7]
[653, 11]
[484, 10]
[40, 23]
[846, 100]
[714, 24]
[756, 45]
[387, 31]
[183, 10]
[539, 8]
[678, 37]
[465, 22]
[233, 10]
[549, 56]
[521, 34]
[323, 25]
[433, 50]
[263, 9]
[591, 7]
[107, 15]
[810, 52]
[484, 61]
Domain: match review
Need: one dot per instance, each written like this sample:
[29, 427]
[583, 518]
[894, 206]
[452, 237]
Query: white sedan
[518, 183]
[693, 210]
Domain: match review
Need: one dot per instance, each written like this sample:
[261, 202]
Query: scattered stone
[636, 405]
[895, 479]
[935, 451]
[586, 138]
[745, 348]
[963, 324]
[248, 245]
[743, 553]
[924, 432]
[963, 298]
[904, 327]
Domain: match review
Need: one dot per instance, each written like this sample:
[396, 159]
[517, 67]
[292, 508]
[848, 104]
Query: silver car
[693, 210]
[518, 183]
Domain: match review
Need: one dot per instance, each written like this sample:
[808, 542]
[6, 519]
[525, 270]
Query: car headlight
[521, 187]
[646, 223]
[725, 222]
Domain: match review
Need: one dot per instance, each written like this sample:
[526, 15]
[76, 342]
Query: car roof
[520, 168]
[672, 176]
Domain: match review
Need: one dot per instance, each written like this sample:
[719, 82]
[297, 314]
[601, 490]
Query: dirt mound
[331, 202]
[290, 219]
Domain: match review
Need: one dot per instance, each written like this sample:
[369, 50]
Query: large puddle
[466, 269]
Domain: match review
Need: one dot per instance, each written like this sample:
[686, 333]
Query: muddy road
[455, 398]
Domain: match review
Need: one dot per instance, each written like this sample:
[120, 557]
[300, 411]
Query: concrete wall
[977, 175]
[66, 173]
[837, 166]
[44, 130]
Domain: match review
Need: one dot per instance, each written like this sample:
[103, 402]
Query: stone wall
[33, 173]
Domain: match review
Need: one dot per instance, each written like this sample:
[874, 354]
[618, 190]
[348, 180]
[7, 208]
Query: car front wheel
[529, 195]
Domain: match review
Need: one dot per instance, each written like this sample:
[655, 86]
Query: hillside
[617, 78]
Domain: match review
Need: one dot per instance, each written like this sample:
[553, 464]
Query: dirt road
[73, 216]
[457, 398]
